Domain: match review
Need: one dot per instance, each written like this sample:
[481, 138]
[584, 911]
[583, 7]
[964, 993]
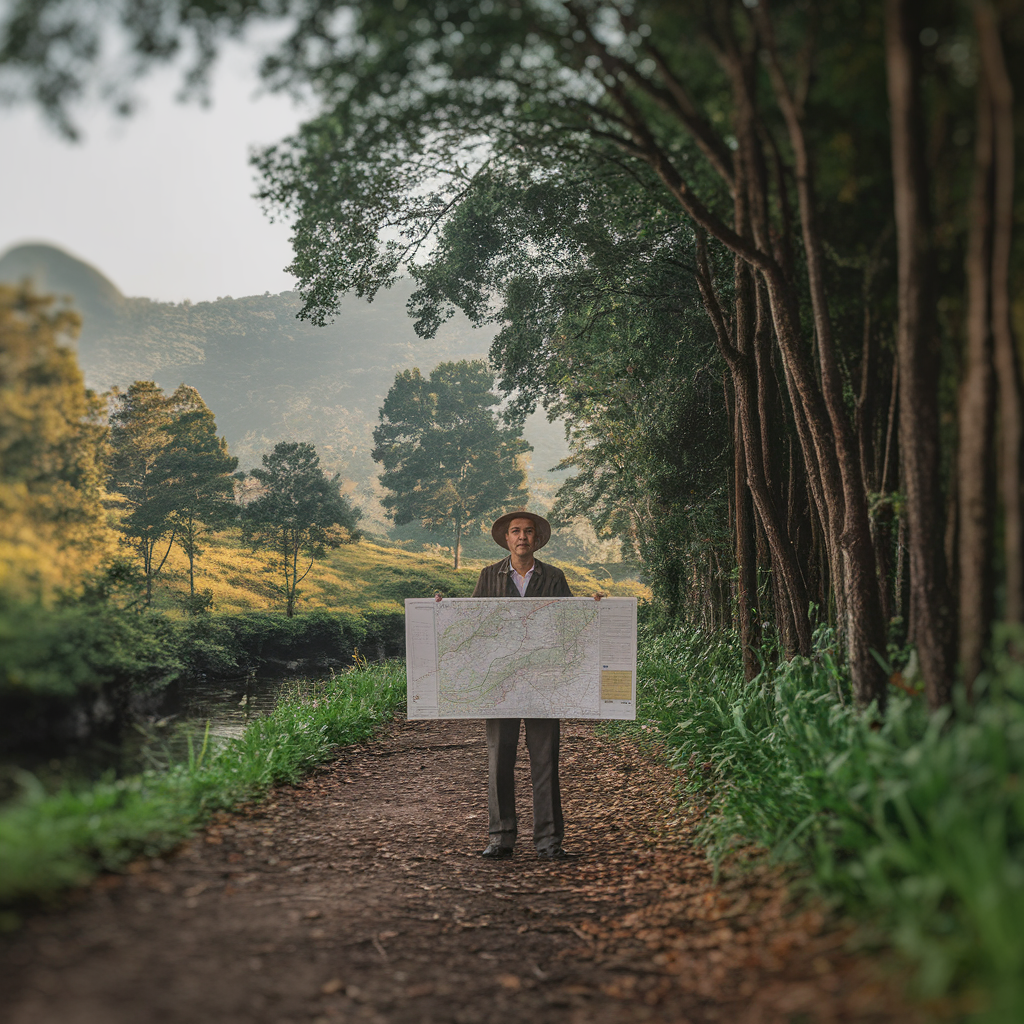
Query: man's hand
[438, 596]
[599, 595]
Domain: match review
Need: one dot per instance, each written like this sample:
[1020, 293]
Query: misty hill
[266, 375]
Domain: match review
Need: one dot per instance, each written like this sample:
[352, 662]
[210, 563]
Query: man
[522, 575]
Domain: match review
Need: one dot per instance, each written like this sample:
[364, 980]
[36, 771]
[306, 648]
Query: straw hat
[500, 528]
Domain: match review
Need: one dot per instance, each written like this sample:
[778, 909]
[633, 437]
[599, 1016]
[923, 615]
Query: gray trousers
[542, 736]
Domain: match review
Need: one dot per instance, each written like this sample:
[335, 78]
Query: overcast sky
[160, 202]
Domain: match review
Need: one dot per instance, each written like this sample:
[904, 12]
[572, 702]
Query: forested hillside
[266, 375]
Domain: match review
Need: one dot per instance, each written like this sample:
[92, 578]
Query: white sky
[160, 202]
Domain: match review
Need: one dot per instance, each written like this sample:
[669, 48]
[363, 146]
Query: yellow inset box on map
[616, 684]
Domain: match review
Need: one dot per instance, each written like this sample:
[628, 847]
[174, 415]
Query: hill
[266, 375]
[356, 577]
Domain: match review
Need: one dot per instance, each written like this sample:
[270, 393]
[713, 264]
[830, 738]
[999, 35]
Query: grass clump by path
[916, 823]
[51, 842]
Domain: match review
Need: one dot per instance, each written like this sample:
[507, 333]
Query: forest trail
[360, 896]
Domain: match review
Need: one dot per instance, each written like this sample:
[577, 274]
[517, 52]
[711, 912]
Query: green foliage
[86, 648]
[172, 471]
[138, 437]
[545, 226]
[917, 822]
[602, 324]
[50, 842]
[300, 512]
[51, 458]
[196, 467]
[243, 641]
[448, 462]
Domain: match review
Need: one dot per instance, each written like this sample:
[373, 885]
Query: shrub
[917, 821]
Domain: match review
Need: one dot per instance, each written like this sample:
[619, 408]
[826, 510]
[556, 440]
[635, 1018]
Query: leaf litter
[359, 896]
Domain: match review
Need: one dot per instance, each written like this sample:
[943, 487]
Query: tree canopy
[172, 472]
[847, 169]
[448, 462]
[196, 467]
[765, 127]
[52, 522]
[299, 514]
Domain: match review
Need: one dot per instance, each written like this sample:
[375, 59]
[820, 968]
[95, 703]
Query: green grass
[916, 825]
[352, 578]
[51, 841]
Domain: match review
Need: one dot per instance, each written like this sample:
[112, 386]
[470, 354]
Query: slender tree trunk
[975, 477]
[458, 540]
[883, 529]
[741, 365]
[291, 570]
[931, 603]
[864, 628]
[746, 557]
[147, 567]
[1007, 364]
[190, 538]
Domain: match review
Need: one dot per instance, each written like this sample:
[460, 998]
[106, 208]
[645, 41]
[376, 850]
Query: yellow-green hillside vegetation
[356, 577]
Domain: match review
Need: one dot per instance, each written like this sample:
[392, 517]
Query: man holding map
[522, 575]
[522, 648]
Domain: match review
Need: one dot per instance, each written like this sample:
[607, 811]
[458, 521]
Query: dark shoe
[555, 853]
[495, 851]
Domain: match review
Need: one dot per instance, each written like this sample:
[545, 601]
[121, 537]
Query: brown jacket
[546, 581]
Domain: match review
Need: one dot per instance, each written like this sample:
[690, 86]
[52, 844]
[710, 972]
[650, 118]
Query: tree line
[157, 462]
[72, 462]
[824, 191]
[760, 254]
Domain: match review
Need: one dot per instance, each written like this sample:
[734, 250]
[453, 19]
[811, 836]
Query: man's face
[521, 537]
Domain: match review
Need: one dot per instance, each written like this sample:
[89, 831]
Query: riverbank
[51, 841]
[95, 663]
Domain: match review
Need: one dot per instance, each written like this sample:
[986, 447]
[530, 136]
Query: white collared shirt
[521, 582]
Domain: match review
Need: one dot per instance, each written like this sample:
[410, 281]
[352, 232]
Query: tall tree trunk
[883, 532]
[741, 366]
[1007, 365]
[147, 567]
[191, 543]
[458, 540]
[864, 628]
[753, 342]
[931, 602]
[975, 477]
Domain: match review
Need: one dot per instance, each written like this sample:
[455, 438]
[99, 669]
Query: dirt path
[360, 896]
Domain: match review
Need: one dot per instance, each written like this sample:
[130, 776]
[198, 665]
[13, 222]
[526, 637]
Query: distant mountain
[266, 375]
[55, 272]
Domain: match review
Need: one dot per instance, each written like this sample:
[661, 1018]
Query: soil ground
[360, 896]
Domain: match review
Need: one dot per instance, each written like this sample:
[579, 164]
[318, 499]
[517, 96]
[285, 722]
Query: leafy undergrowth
[49, 842]
[916, 824]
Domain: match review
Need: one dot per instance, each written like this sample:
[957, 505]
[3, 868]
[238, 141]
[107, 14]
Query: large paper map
[533, 657]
